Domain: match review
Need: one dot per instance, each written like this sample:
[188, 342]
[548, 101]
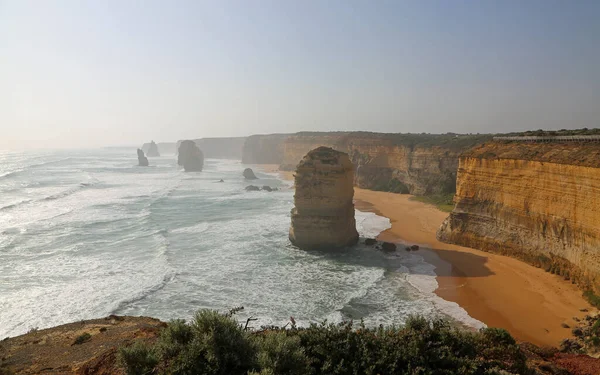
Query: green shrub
[82, 338]
[282, 354]
[593, 299]
[444, 202]
[211, 344]
[216, 344]
[137, 359]
[173, 339]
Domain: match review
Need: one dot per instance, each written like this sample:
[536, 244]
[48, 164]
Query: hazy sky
[95, 73]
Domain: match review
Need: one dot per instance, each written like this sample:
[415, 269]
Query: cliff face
[265, 149]
[221, 148]
[537, 202]
[323, 213]
[401, 163]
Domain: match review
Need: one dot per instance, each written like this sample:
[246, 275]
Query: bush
[82, 338]
[217, 344]
[593, 299]
[211, 344]
[137, 359]
[282, 354]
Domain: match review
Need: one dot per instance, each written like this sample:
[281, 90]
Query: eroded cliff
[539, 202]
[264, 149]
[420, 164]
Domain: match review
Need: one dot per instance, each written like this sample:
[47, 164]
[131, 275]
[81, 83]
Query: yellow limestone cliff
[420, 164]
[539, 202]
[323, 213]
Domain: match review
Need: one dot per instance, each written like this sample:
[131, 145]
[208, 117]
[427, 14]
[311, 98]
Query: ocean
[85, 234]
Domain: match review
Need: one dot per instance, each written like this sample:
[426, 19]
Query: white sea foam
[161, 242]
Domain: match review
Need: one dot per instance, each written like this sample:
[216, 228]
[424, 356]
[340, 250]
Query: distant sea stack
[323, 216]
[190, 156]
[153, 150]
[142, 160]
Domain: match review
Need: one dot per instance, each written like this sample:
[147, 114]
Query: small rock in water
[370, 241]
[252, 188]
[414, 247]
[221, 180]
[583, 310]
[267, 188]
[407, 248]
[565, 325]
[388, 246]
[249, 174]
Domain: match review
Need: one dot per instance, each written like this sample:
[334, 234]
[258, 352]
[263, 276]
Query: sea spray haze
[85, 234]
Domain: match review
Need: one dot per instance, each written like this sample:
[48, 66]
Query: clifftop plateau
[580, 154]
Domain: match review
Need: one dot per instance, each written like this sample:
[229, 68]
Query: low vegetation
[592, 298]
[444, 202]
[82, 338]
[216, 344]
[392, 186]
[562, 132]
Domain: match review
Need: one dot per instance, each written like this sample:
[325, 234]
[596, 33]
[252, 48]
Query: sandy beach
[497, 290]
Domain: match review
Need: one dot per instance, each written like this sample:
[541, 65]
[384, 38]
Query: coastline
[497, 290]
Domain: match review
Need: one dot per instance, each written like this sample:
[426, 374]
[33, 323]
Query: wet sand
[497, 290]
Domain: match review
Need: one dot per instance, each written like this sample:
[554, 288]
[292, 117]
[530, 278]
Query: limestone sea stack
[142, 160]
[190, 156]
[153, 150]
[323, 216]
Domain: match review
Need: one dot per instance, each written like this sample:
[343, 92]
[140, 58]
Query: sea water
[85, 234]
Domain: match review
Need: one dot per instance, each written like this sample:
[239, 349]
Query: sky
[121, 72]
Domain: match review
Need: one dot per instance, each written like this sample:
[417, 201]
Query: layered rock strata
[190, 156]
[539, 202]
[323, 213]
[419, 164]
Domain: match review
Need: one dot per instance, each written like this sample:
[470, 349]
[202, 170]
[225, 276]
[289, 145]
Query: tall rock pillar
[323, 216]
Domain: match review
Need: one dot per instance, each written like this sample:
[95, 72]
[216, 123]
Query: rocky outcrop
[539, 202]
[420, 164]
[264, 188]
[323, 213]
[190, 157]
[55, 350]
[264, 149]
[142, 160]
[249, 174]
[153, 150]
